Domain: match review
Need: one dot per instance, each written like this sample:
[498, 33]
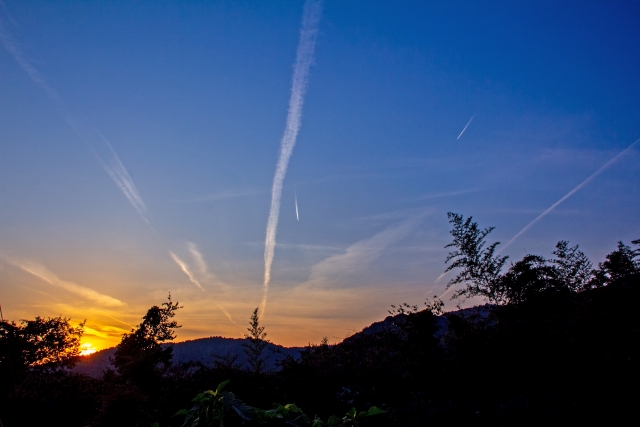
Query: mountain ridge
[199, 350]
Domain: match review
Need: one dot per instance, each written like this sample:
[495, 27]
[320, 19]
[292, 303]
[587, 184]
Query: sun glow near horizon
[87, 349]
[131, 167]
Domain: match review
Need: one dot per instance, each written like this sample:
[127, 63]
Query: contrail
[440, 278]
[197, 255]
[304, 57]
[43, 273]
[96, 142]
[124, 323]
[12, 47]
[297, 214]
[185, 270]
[569, 194]
[465, 128]
[94, 332]
[226, 313]
[121, 177]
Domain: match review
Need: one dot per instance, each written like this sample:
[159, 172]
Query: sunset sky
[139, 142]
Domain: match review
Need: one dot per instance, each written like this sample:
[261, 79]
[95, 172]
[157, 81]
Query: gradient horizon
[139, 142]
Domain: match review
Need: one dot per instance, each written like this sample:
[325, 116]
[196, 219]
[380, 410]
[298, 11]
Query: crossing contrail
[465, 128]
[297, 214]
[569, 194]
[304, 57]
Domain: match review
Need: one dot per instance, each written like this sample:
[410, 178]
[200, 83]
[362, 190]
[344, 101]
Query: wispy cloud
[445, 194]
[304, 57]
[466, 126]
[120, 321]
[202, 272]
[569, 194]
[41, 272]
[185, 269]
[359, 257]
[199, 260]
[88, 134]
[116, 170]
[439, 278]
[13, 47]
[226, 313]
[96, 333]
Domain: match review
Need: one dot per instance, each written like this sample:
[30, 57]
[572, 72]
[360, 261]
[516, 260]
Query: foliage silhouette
[219, 408]
[570, 271]
[212, 407]
[139, 357]
[560, 346]
[572, 267]
[48, 343]
[256, 344]
[480, 267]
[621, 262]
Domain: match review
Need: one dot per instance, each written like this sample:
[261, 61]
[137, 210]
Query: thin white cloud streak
[88, 134]
[117, 320]
[118, 173]
[43, 273]
[445, 194]
[569, 194]
[358, 258]
[11, 46]
[185, 269]
[204, 271]
[197, 256]
[226, 313]
[95, 332]
[304, 58]
[444, 294]
[468, 123]
[437, 282]
[297, 214]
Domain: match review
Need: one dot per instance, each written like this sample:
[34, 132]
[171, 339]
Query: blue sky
[193, 97]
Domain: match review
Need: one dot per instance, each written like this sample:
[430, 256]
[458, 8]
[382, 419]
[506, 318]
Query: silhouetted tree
[139, 356]
[570, 271]
[256, 345]
[572, 267]
[527, 277]
[226, 362]
[49, 343]
[621, 262]
[480, 266]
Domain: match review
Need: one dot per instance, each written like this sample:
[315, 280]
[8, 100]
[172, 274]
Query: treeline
[556, 344]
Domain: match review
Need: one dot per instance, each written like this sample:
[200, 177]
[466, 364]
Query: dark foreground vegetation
[557, 343]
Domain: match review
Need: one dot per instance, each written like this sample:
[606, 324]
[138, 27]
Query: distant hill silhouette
[201, 350]
[204, 350]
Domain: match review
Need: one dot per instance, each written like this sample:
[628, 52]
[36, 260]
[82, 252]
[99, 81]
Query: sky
[146, 146]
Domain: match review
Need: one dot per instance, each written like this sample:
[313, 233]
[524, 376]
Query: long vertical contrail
[297, 214]
[304, 57]
[569, 194]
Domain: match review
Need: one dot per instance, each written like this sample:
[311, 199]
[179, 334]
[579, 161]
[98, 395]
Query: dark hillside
[559, 357]
[202, 350]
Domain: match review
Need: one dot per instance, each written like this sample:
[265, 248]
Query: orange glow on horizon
[87, 349]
